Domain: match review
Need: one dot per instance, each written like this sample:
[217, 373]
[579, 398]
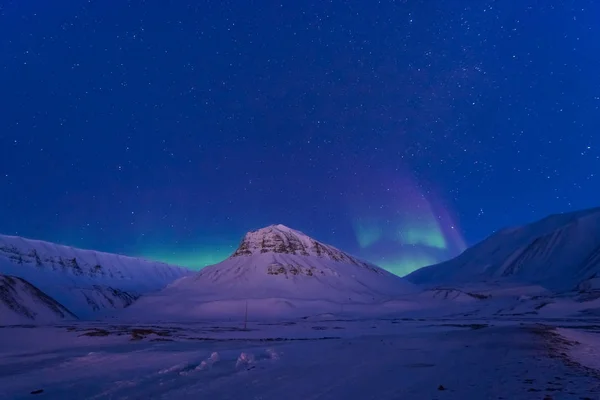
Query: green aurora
[426, 232]
[367, 232]
[404, 265]
[416, 236]
[193, 259]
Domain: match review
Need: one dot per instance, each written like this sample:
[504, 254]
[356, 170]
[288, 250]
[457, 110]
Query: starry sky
[400, 131]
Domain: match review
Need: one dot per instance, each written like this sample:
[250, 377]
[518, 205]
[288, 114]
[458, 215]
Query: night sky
[400, 131]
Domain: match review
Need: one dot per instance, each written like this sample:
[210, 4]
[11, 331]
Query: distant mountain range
[551, 266]
[85, 282]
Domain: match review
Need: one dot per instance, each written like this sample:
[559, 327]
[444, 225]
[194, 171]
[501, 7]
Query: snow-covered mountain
[21, 302]
[277, 270]
[84, 281]
[561, 252]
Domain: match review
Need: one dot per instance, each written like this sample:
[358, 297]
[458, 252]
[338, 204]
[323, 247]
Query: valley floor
[303, 360]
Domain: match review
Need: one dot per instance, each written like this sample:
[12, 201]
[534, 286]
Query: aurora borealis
[194, 259]
[406, 231]
[400, 132]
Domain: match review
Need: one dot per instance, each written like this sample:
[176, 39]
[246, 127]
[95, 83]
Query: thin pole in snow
[246, 316]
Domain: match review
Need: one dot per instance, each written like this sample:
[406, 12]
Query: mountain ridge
[85, 281]
[279, 238]
[560, 250]
[20, 301]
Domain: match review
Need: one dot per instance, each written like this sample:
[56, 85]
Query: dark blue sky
[396, 130]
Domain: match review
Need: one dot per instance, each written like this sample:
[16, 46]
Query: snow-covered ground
[585, 348]
[316, 358]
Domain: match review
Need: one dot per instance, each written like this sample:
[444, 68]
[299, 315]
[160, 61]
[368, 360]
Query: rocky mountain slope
[279, 239]
[21, 302]
[84, 281]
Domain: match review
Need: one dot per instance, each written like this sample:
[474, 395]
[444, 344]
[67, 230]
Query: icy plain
[315, 358]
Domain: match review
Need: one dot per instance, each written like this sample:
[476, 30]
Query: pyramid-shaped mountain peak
[284, 240]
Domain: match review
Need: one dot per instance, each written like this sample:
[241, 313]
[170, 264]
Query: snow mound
[245, 360]
[209, 362]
